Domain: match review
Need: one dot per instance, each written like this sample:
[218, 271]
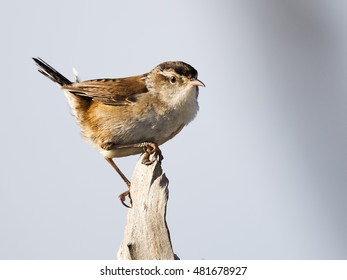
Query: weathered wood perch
[146, 235]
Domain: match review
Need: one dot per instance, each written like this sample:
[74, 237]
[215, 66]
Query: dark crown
[180, 67]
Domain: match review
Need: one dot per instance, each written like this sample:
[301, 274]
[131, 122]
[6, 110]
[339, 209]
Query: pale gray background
[261, 172]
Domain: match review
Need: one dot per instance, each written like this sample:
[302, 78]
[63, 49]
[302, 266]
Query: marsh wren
[127, 116]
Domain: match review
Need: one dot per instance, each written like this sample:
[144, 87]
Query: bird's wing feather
[116, 92]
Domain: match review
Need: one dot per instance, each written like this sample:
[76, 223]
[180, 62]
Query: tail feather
[51, 73]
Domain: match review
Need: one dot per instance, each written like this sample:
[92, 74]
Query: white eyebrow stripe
[168, 73]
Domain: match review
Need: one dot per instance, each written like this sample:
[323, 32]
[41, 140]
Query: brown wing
[116, 92]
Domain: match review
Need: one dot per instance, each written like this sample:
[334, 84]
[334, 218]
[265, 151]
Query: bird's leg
[125, 179]
[123, 195]
[149, 148]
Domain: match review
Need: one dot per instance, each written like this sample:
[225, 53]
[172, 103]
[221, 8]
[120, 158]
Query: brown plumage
[127, 116]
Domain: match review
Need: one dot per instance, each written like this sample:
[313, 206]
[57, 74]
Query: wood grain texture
[146, 234]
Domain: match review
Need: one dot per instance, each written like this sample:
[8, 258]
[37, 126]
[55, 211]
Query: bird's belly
[141, 132]
[150, 127]
[159, 130]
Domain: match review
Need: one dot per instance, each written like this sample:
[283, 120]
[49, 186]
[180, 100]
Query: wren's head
[175, 81]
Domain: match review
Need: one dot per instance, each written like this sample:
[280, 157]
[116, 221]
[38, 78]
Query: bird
[132, 115]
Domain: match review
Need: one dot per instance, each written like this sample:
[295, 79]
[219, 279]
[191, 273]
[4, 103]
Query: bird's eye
[172, 79]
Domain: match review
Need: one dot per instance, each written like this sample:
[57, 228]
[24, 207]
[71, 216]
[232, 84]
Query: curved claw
[152, 149]
[145, 159]
[122, 198]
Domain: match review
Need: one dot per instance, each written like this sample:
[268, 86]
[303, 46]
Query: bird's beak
[196, 82]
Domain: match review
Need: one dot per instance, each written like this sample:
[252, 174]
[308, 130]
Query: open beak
[196, 82]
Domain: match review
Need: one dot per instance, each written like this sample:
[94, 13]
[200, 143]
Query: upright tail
[51, 73]
[78, 104]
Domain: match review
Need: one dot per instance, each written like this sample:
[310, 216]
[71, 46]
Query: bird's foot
[151, 154]
[122, 198]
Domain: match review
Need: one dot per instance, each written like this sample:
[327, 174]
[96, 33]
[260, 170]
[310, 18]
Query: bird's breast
[142, 122]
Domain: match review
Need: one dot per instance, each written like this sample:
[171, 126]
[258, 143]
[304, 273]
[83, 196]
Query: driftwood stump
[146, 235]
